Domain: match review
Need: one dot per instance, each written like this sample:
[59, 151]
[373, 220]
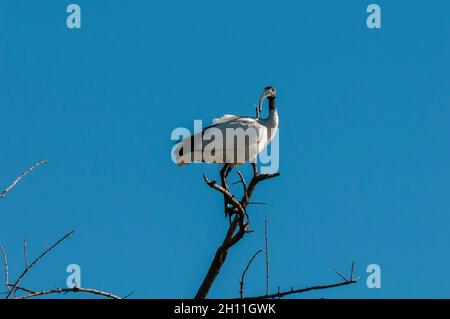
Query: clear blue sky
[364, 138]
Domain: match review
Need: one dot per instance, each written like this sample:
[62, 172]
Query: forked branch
[33, 294]
[302, 290]
[13, 289]
[35, 261]
[5, 262]
[237, 229]
[281, 294]
[242, 281]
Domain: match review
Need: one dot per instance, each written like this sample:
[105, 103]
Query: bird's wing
[184, 148]
[225, 118]
[194, 145]
[244, 125]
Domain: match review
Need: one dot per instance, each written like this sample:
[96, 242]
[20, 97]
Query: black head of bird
[268, 93]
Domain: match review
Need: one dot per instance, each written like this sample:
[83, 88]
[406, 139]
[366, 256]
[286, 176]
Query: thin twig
[280, 294]
[340, 275]
[351, 271]
[35, 261]
[267, 255]
[5, 261]
[302, 290]
[17, 180]
[23, 289]
[126, 297]
[18, 288]
[244, 185]
[69, 290]
[242, 281]
[231, 239]
[25, 257]
[256, 180]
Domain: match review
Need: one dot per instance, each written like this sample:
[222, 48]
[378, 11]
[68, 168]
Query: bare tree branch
[5, 261]
[242, 281]
[352, 270]
[237, 229]
[17, 180]
[339, 274]
[302, 290]
[22, 289]
[35, 261]
[244, 185]
[227, 194]
[126, 297]
[13, 288]
[69, 290]
[18, 288]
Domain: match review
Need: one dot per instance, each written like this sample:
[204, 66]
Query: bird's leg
[224, 172]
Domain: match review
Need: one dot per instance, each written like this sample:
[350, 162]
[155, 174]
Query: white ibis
[231, 140]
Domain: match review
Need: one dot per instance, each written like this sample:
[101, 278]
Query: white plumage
[232, 139]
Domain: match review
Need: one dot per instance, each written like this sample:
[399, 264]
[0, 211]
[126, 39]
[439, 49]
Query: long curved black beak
[263, 96]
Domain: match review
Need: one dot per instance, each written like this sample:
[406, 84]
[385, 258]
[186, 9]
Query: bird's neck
[271, 104]
[272, 119]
